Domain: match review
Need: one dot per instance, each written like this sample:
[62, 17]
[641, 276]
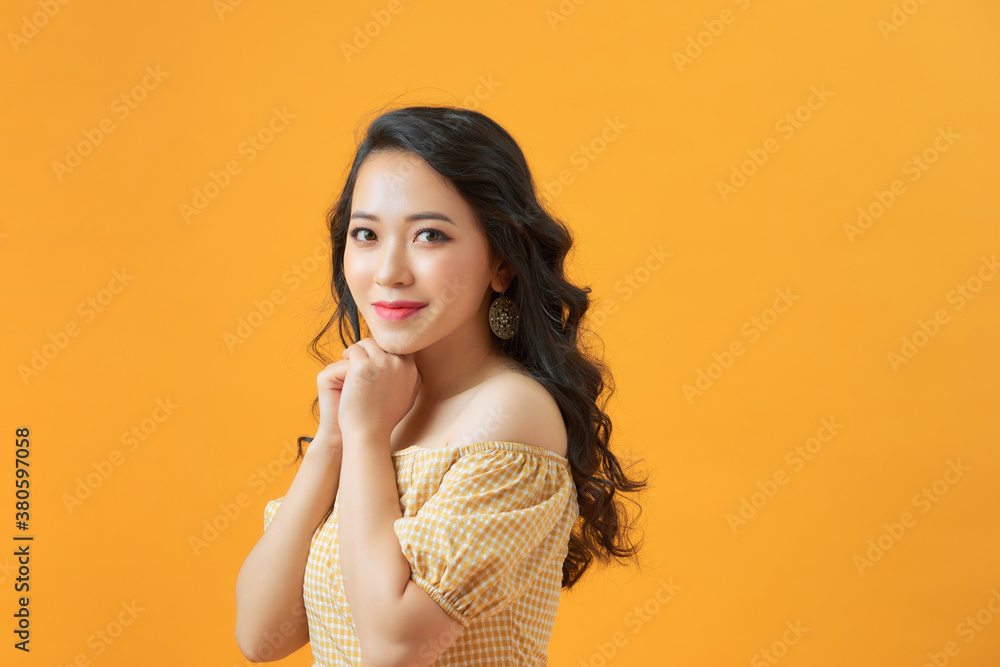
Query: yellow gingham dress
[485, 528]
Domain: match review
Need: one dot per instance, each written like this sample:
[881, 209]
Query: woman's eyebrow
[413, 217]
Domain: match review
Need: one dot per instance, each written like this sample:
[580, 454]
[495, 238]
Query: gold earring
[503, 316]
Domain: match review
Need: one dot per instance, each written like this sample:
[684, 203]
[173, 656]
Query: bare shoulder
[512, 407]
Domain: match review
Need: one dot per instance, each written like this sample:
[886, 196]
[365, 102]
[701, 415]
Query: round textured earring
[503, 316]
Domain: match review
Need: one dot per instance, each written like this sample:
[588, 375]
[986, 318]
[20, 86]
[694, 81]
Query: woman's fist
[378, 391]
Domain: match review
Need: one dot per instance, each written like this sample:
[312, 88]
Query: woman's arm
[397, 622]
[270, 611]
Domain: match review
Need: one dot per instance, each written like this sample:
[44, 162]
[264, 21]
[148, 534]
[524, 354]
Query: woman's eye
[435, 234]
[358, 230]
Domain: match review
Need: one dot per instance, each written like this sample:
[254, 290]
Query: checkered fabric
[485, 528]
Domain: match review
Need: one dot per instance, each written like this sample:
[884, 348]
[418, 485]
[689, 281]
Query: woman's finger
[369, 348]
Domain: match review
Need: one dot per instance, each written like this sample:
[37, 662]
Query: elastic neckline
[487, 445]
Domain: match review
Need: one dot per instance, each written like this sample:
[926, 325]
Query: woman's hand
[378, 391]
[330, 384]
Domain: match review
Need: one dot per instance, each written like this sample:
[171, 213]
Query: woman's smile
[396, 314]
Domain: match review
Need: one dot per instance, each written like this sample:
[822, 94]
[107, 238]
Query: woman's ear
[503, 278]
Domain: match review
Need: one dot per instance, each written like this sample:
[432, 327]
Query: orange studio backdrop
[787, 213]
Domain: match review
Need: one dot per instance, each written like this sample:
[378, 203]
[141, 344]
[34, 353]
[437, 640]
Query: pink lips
[397, 310]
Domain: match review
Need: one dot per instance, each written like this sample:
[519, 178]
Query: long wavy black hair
[486, 165]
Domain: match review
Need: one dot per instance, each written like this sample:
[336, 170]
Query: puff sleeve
[497, 520]
[270, 509]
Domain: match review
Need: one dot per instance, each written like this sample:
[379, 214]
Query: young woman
[461, 474]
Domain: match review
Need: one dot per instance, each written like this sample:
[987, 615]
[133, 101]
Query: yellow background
[555, 75]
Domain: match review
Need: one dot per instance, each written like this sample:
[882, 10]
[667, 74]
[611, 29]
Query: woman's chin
[397, 343]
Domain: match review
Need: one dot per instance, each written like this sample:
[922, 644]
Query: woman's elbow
[247, 640]
[268, 647]
[246, 649]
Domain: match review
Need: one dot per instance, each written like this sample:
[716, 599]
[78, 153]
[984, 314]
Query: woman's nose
[393, 265]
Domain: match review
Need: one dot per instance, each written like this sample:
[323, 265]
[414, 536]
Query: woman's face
[413, 238]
